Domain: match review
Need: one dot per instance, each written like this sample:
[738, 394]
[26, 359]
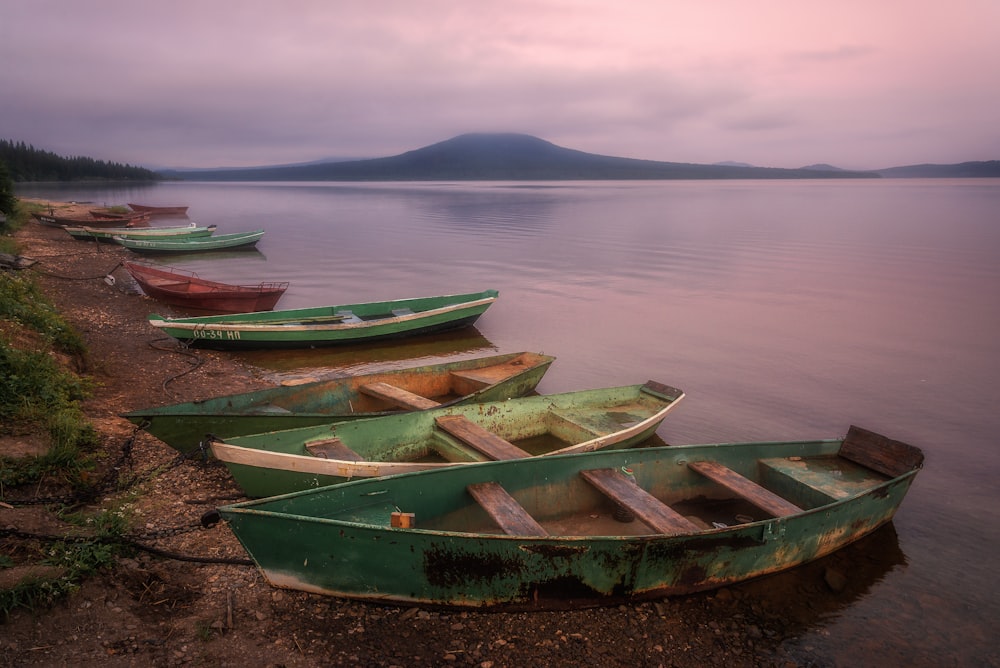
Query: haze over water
[785, 310]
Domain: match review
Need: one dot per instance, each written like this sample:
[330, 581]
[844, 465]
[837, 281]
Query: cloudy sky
[780, 83]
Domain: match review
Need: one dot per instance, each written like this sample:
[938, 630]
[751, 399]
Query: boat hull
[184, 426]
[236, 240]
[341, 541]
[306, 328]
[134, 220]
[107, 234]
[159, 210]
[187, 290]
[279, 462]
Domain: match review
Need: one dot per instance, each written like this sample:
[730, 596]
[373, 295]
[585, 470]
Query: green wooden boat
[286, 461]
[553, 532]
[184, 426]
[108, 234]
[329, 325]
[192, 244]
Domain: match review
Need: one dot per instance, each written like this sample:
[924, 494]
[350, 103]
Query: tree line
[27, 163]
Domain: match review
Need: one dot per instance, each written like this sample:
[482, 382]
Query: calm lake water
[785, 310]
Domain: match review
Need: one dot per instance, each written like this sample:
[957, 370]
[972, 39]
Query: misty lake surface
[785, 310]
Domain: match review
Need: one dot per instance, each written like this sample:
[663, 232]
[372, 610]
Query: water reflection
[243, 254]
[812, 593]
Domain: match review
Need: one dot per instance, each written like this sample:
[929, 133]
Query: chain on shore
[132, 541]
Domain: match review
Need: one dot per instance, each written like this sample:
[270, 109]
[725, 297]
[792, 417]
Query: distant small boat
[286, 461]
[193, 245]
[132, 220]
[184, 426]
[328, 325]
[107, 234]
[159, 210]
[178, 287]
[555, 532]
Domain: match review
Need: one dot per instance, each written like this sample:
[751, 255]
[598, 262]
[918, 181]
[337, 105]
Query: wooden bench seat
[489, 375]
[647, 508]
[816, 481]
[597, 423]
[399, 397]
[505, 510]
[333, 448]
[484, 441]
[745, 488]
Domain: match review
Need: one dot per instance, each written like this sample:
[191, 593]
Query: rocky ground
[196, 601]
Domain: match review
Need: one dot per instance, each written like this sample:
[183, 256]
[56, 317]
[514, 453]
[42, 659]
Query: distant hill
[966, 170]
[822, 167]
[502, 157]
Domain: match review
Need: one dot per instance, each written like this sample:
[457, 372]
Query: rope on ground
[38, 269]
[180, 349]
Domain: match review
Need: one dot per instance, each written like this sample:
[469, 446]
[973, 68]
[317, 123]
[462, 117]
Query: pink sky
[206, 83]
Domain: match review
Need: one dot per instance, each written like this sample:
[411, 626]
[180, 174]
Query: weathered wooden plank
[333, 448]
[397, 396]
[484, 441]
[763, 498]
[647, 508]
[505, 510]
[885, 455]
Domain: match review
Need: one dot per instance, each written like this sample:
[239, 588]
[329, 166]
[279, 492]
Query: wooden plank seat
[333, 448]
[347, 316]
[399, 397]
[505, 510]
[818, 480]
[400, 312]
[647, 508]
[482, 440]
[745, 488]
[490, 374]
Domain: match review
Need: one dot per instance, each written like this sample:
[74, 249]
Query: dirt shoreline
[156, 611]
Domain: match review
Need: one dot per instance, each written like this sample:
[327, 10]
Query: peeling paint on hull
[333, 544]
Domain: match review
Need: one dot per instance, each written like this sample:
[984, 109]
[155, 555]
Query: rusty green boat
[185, 426]
[541, 425]
[329, 325]
[553, 532]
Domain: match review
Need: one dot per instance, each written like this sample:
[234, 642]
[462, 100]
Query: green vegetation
[40, 395]
[26, 163]
[69, 562]
[8, 203]
[13, 214]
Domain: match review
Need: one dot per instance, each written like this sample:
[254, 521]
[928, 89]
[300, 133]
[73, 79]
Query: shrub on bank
[38, 393]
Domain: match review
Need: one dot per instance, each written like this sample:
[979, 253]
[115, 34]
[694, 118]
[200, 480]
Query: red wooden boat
[178, 287]
[159, 210]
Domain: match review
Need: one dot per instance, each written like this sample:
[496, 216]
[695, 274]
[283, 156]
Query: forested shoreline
[24, 163]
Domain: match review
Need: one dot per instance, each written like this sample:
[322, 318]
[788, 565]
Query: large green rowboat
[329, 325]
[541, 533]
[296, 459]
[192, 244]
[184, 426]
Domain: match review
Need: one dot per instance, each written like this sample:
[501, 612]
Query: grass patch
[14, 221]
[23, 305]
[40, 393]
[74, 560]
